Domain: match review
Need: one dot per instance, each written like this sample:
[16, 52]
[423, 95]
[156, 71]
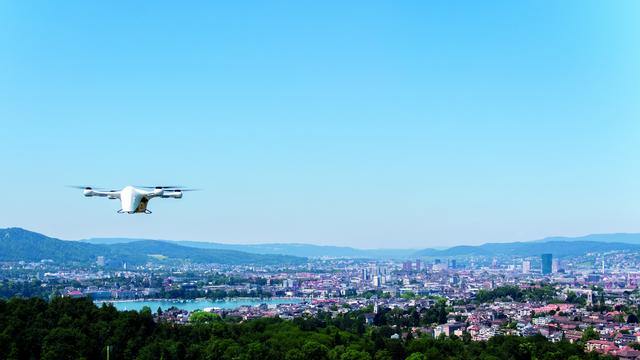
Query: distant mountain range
[627, 238]
[558, 246]
[533, 248]
[293, 249]
[18, 244]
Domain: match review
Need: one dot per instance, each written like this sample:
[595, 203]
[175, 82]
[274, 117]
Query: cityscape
[591, 299]
[320, 180]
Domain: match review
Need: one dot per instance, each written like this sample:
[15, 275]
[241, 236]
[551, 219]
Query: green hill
[18, 244]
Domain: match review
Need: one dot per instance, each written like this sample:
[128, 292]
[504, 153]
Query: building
[526, 267]
[407, 266]
[440, 266]
[448, 329]
[100, 261]
[418, 265]
[364, 274]
[546, 263]
[373, 270]
[555, 265]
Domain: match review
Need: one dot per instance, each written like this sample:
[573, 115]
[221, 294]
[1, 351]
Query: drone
[134, 200]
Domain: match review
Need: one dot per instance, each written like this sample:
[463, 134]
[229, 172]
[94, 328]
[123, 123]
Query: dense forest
[77, 329]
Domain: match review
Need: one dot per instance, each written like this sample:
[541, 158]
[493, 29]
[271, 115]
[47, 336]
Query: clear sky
[362, 123]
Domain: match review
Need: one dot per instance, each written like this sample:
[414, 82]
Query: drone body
[134, 200]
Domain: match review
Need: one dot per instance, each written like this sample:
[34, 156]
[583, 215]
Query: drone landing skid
[146, 211]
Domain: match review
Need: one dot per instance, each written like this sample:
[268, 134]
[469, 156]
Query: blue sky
[370, 124]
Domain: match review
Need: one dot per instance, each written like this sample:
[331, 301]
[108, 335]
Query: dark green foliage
[573, 298]
[77, 329]
[590, 334]
[22, 289]
[515, 293]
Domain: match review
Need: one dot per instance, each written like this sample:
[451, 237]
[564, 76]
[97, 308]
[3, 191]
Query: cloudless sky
[361, 123]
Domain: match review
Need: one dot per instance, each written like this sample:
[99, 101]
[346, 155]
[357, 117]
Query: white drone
[135, 199]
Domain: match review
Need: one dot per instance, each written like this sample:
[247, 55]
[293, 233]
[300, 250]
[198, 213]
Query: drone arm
[165, 194]
[172, 194]
[109, 194]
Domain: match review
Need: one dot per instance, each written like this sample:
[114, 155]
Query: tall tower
[546, 263]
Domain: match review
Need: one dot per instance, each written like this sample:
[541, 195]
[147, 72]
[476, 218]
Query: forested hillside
[18, 244]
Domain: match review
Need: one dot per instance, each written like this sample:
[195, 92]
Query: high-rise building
[383, 270]
[526, 266]
[555, 265]
[452, 264]
[406, 266]
[418, 265]
[373, 271]
[364, 274]
[454, 280]
[546, 263]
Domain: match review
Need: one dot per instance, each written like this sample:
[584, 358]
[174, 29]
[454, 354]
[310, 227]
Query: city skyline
[379, 125]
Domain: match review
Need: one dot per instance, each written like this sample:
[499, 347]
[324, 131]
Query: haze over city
[386, 124]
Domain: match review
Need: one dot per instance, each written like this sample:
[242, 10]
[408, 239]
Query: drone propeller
[169, 188]
[86, 187]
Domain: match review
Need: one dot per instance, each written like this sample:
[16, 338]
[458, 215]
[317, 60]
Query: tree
[353, 354]
[62, 343]
[635, 346]
[203, 317]
[417, 356]
[314, 351]
[294, 354]
[408, 295]
[383, 355]
[590, 334]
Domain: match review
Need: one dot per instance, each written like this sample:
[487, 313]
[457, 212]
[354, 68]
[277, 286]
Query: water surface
[191, 305]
